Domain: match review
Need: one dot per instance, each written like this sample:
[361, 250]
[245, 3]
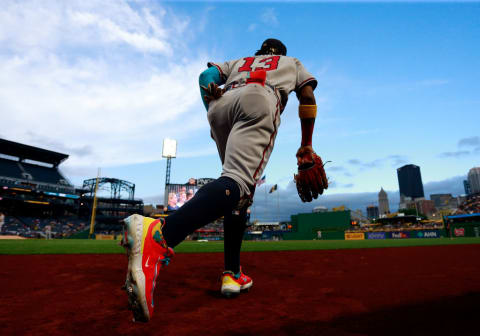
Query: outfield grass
[83, 246]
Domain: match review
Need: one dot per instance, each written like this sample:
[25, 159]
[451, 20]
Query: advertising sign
[376, 235]
[354, 236]
[459, 232]
[428, 234]
[400, 235]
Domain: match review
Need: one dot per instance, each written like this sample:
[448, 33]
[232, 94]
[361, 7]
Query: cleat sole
[134, 302]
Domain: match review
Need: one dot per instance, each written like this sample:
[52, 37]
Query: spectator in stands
[172, 201]
[182, 198]
[2, 221]
[190, 194]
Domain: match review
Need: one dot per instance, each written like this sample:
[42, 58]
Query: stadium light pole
[94, 207]
[169, 151]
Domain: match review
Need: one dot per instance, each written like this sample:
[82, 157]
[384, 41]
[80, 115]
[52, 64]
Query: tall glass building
[410, 182]
[474, 180]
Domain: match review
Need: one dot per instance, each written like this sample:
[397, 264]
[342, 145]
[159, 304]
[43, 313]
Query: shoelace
[166, 258]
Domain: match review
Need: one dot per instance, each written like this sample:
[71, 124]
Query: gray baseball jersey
[245, 120]
[285, 73]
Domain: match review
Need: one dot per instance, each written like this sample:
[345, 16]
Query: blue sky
[106, 81]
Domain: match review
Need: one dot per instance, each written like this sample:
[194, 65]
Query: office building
[466, 187]
[410, 182]
[372, 211]
[474, 180]
[383, 206]
[444, 201]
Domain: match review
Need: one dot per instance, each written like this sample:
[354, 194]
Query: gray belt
[234, 85]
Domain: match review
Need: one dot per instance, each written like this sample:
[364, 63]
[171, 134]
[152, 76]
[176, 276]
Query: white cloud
[269, 17]
[96, 80]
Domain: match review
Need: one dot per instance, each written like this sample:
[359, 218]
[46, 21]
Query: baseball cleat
[233, 284]
[147, 253]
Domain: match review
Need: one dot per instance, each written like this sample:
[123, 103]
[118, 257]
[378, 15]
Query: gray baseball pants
[244, 124]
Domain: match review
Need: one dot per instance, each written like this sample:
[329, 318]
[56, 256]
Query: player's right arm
[311, 179]
[307, 112]
[209, 81]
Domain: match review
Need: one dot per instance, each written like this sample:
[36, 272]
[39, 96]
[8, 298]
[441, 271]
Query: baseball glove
[212, 92]
[311, 179]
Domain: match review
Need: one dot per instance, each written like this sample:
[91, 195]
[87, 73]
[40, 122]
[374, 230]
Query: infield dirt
[392, 291]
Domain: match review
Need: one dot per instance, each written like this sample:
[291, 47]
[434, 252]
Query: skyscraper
[372, 211]
[474, 180]
[466, 186]
[410, 182]
[383, 206]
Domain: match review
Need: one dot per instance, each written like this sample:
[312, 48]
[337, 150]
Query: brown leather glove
[311, 179]
[212, 92]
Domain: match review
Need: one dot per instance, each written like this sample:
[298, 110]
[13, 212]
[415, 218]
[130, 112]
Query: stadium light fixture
[169, 148]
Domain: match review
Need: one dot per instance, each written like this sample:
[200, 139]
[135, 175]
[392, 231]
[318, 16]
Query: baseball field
[376, 287]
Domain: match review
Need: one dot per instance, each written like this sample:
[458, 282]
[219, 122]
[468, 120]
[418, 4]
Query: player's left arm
[209, 81]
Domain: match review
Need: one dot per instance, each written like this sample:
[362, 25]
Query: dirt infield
[391, 291]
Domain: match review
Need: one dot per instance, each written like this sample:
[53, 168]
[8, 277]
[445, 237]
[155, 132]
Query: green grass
[83, 246]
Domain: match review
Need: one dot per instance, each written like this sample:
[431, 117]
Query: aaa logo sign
[354, 236]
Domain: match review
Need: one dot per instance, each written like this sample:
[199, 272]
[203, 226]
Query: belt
[234, 85]
[276, 92]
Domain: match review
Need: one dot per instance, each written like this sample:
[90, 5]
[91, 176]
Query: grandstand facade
[30, 180]
[34, 193]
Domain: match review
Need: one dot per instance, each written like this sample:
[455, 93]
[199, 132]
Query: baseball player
[244, 117]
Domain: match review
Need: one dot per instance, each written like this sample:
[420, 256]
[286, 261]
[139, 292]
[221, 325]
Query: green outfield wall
[459, 230]
[465, 225]
[319, 225]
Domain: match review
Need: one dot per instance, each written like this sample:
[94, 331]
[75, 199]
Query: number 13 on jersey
[267, 64]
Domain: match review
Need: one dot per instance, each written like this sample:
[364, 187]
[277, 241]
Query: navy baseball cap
[272, 46]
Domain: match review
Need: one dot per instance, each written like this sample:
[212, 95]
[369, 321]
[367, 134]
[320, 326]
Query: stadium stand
[32, 227]
[34, 193]
[470, 205]
[9, 168]
[45, 176]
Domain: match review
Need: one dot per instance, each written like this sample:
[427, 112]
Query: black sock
[212, 201]
[234, 226]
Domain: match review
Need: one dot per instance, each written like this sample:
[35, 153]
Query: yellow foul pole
[94, 207]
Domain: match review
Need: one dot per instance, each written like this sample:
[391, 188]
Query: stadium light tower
[169, 151]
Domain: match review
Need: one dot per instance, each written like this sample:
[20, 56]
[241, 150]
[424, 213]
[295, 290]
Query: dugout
[319, 225]
[466, 225]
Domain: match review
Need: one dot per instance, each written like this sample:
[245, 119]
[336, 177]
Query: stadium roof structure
[23, 152]
[464, 216]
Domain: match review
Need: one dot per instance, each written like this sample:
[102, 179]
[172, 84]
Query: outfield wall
[404, 234]
[465, 225]
[319, 225]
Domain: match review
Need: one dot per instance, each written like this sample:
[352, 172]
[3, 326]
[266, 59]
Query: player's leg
[234, 225]
[248, 149]
[252, 136]
[149, 242]
[212, 201]
[233, 279]
[216, 198]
